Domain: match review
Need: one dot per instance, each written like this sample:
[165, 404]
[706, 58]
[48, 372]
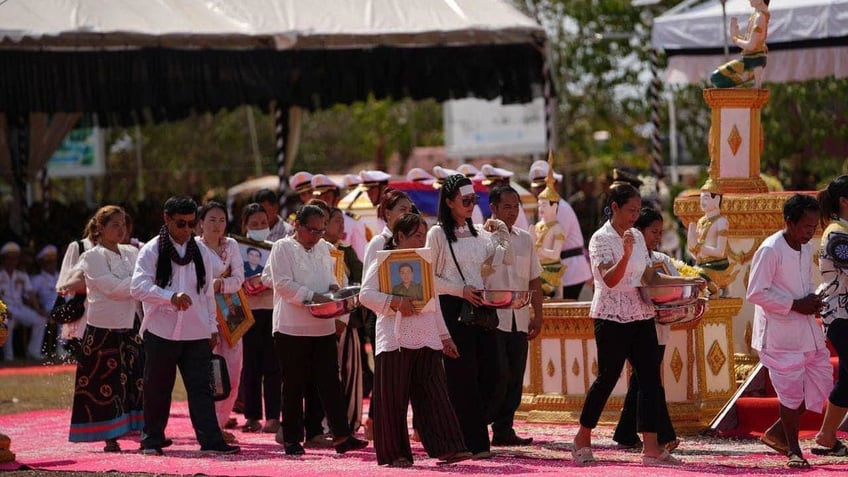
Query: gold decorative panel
[749, 215]
[575, 367]
[716, 358]
[595, 367]
[734, 140]
[551, 368]
[676, 364]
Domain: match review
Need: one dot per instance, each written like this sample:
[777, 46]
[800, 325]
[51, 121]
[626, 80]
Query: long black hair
[449, 190]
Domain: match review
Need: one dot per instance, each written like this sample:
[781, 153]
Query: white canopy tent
[807, 39]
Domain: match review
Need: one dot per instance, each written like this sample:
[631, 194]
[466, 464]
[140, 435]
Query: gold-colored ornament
[550, 194]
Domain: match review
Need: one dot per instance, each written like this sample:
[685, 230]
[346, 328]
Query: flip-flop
[453, 459]
[664, 459]
[583, 456]
[781, 449]
[838, 450]
[797, 462]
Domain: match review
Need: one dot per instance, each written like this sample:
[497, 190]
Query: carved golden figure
[549, 235]
[706, 240]
[754, 50]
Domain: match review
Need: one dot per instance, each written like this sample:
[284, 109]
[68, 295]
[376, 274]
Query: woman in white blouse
[229, 273]
[624, 326]
[408, 366]
[108, 386]
[462, 252]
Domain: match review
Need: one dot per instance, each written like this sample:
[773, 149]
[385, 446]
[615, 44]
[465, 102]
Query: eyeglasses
[182, 223]
[466, 201]
[315, 232]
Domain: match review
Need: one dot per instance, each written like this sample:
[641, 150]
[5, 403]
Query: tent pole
[724, 23]
[281, 133]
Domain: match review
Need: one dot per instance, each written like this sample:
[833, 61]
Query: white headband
[466, 189]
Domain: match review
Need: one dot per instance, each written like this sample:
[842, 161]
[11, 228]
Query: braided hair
[449, 190]
[182, 205]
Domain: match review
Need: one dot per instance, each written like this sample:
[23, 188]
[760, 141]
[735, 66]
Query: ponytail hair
[829, 199]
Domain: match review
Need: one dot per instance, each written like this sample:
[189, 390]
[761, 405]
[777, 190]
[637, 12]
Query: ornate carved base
[698, 369]
[5, 454]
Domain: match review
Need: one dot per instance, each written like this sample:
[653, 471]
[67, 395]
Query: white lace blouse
[107, 280]
[470, 252]
[621, 303]
[394, 331]
[230, 254]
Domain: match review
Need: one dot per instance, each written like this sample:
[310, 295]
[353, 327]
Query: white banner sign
[81, 154]
[475, 127]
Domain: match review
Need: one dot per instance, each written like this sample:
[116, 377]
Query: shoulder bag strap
[450, 246]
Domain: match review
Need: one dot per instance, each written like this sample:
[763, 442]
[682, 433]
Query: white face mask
[258, 235]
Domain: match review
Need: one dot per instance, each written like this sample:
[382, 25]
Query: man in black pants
[173, 280]
[515, 327]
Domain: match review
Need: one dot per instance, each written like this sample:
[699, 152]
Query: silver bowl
[343, 302]
[511, 299]
[667, 315]
[670, 295]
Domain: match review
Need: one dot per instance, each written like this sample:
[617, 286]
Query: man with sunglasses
[302, 271]
[173, 281]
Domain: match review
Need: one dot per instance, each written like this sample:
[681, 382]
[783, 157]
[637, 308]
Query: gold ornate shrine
[698, 369]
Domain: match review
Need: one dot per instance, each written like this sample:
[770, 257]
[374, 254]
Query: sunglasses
[467, 201]
[315, 232]
[181, 223]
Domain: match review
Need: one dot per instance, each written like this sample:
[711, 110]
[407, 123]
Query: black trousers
[305, 358]
[512, 347]
[616, 342]
[625, 431]
[193, 358]
[261, 377]
[572, 291]
[837, 334]
[415, 375]
[472, 378]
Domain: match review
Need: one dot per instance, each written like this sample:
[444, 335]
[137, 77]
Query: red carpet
[40, 441]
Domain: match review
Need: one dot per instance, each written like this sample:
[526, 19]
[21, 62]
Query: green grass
[24, 393]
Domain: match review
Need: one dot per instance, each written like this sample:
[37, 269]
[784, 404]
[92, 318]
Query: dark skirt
[108, 385]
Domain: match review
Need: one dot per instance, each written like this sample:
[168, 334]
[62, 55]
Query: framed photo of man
[234, 315]
[407, 273]
[339, 264]
[255, 256]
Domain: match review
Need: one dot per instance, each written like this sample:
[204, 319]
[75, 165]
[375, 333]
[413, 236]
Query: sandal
[671, 445]
[797, 462]
[583, 456]
[778, 447]
[112, 446]
[838, 450]
[664, 459]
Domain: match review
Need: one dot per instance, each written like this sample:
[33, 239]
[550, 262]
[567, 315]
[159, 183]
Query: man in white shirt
[301, 270]
[269, 201]
[790, 342]
[173, 281]
[515, 327]
[23, 306]
[44, 285]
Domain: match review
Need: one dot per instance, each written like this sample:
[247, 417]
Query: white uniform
[577, 265]
[13, 288]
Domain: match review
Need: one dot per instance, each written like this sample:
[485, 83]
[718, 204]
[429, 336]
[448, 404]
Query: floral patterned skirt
[108, 385]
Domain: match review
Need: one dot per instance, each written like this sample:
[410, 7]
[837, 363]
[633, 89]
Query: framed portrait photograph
[339, 264]
[407, 273]
[255, 256]
[234, 315]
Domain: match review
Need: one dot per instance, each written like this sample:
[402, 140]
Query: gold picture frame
[234, 315]
[416, 283]
[339, 263]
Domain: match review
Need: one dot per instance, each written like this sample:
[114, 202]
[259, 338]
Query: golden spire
[550, 193]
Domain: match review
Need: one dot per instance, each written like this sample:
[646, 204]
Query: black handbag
[68, 311]
[485, 317]
[220, 378]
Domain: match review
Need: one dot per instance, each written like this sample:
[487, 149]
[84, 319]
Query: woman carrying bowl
[624, 327]
[409, 367]
[650, 223]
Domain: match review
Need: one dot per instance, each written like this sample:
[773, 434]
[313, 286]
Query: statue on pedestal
[754, 50]
[549, 235]
[706, 240]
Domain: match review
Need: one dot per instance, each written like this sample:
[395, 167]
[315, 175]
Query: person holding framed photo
[408, 365]
[459, 249]
[229, 276]
[261, 375]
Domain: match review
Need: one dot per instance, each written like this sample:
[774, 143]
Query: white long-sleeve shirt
[161, 317]
[779, 276]
[516, 276]
[107, 281]
[394, 331]
[296, 274]
[470, 252]
[229, 259]
[377, 243]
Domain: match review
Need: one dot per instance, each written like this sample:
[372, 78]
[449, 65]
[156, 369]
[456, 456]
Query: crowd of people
[151, 309]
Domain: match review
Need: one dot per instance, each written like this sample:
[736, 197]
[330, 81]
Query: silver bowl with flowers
[678, 303]
[342, 302]
[508, 299]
